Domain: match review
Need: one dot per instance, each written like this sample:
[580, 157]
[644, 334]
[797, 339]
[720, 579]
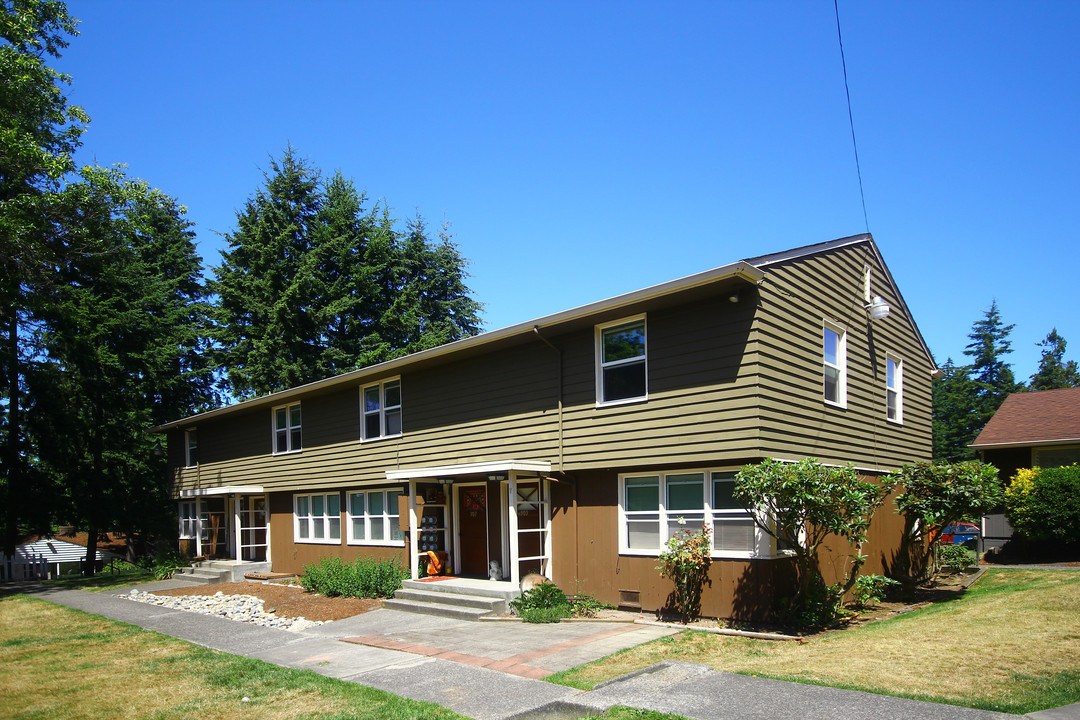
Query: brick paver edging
[514, 665]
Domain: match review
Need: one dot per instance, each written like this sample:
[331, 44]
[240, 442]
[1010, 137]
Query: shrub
[957, 557]
[587, 606]
[686, 562]
[1043, 504]
[545, 603]
[163, 563]
[365, 577]
[870, 589]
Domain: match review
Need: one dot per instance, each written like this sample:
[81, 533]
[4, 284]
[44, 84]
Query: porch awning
[224, 490]
[493, 466]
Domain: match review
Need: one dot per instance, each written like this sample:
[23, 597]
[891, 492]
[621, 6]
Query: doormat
[438, 577]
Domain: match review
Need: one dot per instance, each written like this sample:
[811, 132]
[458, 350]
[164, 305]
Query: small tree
[686, 562]
[935, 495]
[801, 504]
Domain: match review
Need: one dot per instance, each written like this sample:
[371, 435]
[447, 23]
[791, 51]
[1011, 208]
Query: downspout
[536, 329]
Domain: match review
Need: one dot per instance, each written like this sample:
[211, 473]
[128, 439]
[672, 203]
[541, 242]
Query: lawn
[59, 662]
[1011, 643]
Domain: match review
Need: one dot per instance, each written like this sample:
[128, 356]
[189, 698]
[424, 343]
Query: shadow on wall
[760, 590]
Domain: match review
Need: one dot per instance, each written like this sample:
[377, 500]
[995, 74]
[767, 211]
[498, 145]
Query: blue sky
[585, 149]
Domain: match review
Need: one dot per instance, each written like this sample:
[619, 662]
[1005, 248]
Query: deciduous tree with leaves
[802, 504]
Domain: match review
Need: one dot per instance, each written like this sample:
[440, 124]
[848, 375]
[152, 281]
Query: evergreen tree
[314, 284]
[955, 425]
[992, 376]
[121, 349]
[39, 132]
[268, 336]
[1054, 372]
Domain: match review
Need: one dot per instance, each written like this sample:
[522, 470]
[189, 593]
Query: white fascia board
[224, 490]
[494, 466]
[740, 270]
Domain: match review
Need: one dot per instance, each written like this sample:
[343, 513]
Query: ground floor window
[189, 515]
[654, 507]
[317, 518]
[374, 518]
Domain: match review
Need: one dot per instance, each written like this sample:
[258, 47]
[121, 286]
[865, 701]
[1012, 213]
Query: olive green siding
[797, 298]
[726, 381]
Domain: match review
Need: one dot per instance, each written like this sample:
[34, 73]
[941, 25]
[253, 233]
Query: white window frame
[601, 366]
[289, 428]
[840, 365]
[764, 544]
[382, 412]
[325, 520]
[389, 518]
[188, 512]
[190, 436]
[895, 389]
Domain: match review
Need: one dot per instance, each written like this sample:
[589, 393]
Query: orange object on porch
[437, 562]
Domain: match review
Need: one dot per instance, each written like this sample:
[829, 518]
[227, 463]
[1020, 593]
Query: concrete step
[201, 576]
[437, 609]
[480, 588]
[492, 605]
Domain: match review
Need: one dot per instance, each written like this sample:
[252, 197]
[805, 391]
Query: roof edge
[1025, 443]
[741, 270]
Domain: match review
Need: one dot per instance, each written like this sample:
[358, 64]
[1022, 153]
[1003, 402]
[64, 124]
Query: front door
[473, 530]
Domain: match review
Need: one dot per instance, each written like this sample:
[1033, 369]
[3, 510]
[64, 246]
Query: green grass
[1009, 644]
[60, 662]
[103, 581]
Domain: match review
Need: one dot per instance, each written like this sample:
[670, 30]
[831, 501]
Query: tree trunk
[11, 455]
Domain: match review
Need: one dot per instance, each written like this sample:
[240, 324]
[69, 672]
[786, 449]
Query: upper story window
[654, 508]
[381, 406]
[373, 518]
[894, 389]
[287, 434]
[191, 448]
[317, 518]
[621, 362]
[834, 362]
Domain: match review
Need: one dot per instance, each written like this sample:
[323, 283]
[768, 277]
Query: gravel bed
[242, 608]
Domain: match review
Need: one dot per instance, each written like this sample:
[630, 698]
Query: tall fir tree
[314, 284]
[955, 425]
[39, 133]
[1054, 371]
[123, 347]
[991, 374]
[268, 336]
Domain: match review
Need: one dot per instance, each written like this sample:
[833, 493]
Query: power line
[851, 120]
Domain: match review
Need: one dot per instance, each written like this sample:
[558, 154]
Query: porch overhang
[224, 490]
[539, 467]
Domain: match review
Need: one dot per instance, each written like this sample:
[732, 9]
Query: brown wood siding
[291, 557]
[587, 558]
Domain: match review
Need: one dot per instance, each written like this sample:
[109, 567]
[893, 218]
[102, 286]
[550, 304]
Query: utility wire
[851, 120]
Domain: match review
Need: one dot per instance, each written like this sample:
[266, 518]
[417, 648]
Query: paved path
[488, 671]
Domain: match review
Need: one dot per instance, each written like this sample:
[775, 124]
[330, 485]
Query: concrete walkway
[490, 670]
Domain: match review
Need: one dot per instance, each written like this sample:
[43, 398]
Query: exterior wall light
[879, 309]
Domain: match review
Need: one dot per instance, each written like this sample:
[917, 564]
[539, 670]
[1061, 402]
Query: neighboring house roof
[56, 551]
[1047, 417]
[745, 271]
